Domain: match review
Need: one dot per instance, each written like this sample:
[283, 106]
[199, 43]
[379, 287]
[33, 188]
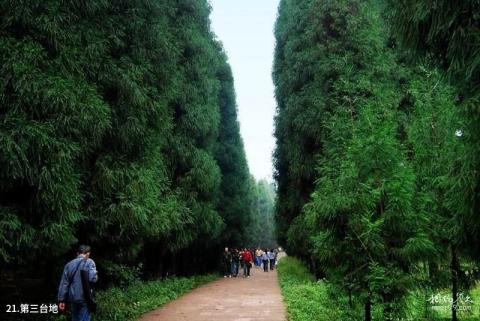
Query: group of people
[78, 275]
[234, 259]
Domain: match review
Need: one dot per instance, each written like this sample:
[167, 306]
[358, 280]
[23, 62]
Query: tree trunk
[368, 309]
[161, 262]
[455, 268]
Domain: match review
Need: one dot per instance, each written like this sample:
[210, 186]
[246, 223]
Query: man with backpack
[74, 286]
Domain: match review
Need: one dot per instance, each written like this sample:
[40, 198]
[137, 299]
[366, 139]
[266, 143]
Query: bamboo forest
[121, 129]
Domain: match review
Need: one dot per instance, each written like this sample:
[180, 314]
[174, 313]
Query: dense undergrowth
[307, 299]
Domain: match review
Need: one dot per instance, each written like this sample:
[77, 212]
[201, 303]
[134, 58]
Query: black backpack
[88, 291]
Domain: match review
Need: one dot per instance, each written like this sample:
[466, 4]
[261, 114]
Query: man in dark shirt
[235, 262]
[227, 263]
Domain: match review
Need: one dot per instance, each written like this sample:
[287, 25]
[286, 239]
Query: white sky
[245, 27]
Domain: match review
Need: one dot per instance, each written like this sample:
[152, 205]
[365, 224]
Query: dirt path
[257, 298]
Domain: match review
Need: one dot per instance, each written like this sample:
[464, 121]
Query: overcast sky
[245, 27]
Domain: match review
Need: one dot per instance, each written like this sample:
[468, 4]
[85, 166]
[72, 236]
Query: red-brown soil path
[257, 298]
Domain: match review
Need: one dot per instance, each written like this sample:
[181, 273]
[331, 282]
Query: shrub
[129, 303]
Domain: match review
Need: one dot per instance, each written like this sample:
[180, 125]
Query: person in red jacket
[248, 259]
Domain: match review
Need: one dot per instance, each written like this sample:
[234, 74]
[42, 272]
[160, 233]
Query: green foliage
[261, 229]
[362, 203]
[376, 176]
[445, 34]
[133, 301]
[446, 31]
[296, 124]
[309, 300]
[236, 194]
[118, 128]
[129, 303]
[306, 299]
[121, 274]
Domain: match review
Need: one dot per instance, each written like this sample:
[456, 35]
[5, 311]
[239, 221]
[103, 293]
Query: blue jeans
[234, 268]
[80, 312]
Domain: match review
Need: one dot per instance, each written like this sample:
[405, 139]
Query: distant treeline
[378, 145]
[261, 230]
[118, 128]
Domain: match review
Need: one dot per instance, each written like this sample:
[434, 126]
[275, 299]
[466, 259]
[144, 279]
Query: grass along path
[308, 300]
[305, 299]
[129, 303]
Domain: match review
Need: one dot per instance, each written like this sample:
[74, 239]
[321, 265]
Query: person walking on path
[247, 259]
[71, 288]
[226, 263]
[258, 298]
[275, 257]
[258, 257]
[265, 261]
[271, 258]
[235, 262]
